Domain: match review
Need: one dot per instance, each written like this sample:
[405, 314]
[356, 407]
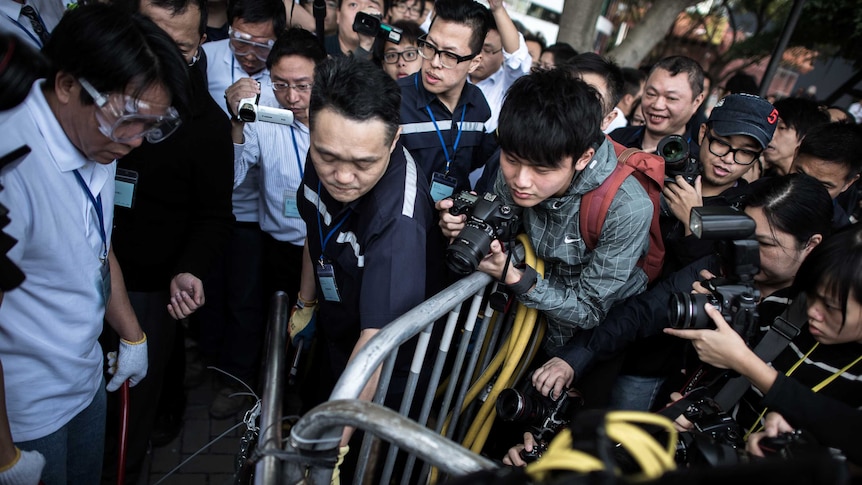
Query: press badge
[124, 188]
[442, 186]
[290, 207]
[326, 276]
[105, 283]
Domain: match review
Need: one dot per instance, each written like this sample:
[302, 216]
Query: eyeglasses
[720, 148]
[302, 88]
[121, 120]
[409, 55]
[447, 59]
[402, 8]
[242, 44]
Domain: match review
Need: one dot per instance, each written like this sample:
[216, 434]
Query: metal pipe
[267, 470]
[365, 362]
[390, 426]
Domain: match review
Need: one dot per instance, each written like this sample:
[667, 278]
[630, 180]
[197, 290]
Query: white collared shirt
[270, 146]
[619, 122]
[494, 87]
[14, 23]
[222, 72]
[50, 325]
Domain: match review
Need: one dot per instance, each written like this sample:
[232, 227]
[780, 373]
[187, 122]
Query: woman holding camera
[816, 382]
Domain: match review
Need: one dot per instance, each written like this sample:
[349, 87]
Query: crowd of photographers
[165, 165]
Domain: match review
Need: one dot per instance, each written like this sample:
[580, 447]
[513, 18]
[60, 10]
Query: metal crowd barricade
[313, 443]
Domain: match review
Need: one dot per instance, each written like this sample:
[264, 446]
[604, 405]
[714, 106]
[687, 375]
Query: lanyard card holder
[126, 182]
[326, 276]
[442, 186]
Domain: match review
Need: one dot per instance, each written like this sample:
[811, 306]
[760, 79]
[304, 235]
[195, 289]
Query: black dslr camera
[544, 416]
[677, 159]
[487, 219]
[735, 295]
[371, 25]
[715, 440]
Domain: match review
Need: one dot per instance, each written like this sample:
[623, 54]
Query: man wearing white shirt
[633, 89]
[505, 58]
[23, 20]
[236, 69]
[280, 152]
[92, 109]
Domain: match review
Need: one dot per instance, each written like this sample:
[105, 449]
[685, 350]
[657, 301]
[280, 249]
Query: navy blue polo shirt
[419, 135]
[633, 137]
[379, 253]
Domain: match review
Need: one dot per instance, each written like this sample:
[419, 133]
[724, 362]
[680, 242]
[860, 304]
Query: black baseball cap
[744, 114]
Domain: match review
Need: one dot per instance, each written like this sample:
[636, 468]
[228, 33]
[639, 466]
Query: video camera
[487, 219]
[250, 111]
[734, 295]
[544, 416]
[372, 25]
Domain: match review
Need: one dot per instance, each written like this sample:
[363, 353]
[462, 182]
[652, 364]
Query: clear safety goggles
[241, 44]
[123, 118]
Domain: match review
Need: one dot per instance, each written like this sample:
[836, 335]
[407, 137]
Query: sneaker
[227, 405]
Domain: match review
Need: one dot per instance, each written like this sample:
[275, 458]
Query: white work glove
[131, 364]
[25, 469]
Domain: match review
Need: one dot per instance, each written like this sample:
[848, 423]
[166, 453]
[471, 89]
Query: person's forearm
[506, 28]
[756, 370]
[119, 312]
[7, 447]
[307, 284]
[300, 16]
[370, 388]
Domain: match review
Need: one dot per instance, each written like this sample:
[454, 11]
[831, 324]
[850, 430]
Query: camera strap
[779, 335]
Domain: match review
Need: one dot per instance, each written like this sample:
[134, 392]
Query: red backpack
[648, 169]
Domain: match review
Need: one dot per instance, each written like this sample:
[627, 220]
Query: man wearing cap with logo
[737, 131]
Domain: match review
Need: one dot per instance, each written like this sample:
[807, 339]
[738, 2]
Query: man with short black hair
[633, 88]
[796, 116]
[543, 175]
[831, 154]
[443, 116]
[672, 94]
[346, 41]
[109, 88]
[172, 223]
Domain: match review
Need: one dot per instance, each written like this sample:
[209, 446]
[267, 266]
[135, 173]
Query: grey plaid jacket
[579, 286]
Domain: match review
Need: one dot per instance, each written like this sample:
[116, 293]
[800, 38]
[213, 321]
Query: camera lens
[673, 149]
[514, 406]
[471, 245]
[686, 310]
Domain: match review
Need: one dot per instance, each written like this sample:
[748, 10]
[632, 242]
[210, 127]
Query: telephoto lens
[686, 310]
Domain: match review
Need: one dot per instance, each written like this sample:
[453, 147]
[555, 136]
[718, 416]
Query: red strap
[595, 203]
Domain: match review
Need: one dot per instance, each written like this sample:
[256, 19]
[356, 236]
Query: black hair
[562, 52]
[839, 143]
[681, 64]
[607, 70]
[356, 89]
[176, 7]
[742, 83]
[115, 50]
[20, 67]
[258, 12]
[801, 114]
[796, 204]
[536, 37]
[296, 41]
[633, 80]
[563, 114]
[834, 265]
[410, 32]
[468, 12]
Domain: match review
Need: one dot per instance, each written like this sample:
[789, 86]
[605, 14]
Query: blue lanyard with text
[298, 160]
[323, 240]
[440, 135]
[30, 34]
[97, 204]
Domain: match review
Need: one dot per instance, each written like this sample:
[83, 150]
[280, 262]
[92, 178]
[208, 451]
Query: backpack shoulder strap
[595, 203]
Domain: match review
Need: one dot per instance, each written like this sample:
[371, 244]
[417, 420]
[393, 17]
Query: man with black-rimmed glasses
[442, 115]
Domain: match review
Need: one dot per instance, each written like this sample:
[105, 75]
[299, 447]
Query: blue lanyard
[97, 203]
[325, 240]
[298, 160]
[440, 135]
[30, 34]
